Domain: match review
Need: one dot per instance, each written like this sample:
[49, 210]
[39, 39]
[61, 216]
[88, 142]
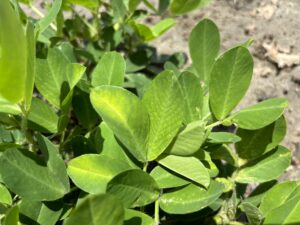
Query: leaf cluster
[96, 128]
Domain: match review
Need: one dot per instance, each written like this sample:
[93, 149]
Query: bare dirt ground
[275, 27]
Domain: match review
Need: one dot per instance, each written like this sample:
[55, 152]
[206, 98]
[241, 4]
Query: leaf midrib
[222, 114]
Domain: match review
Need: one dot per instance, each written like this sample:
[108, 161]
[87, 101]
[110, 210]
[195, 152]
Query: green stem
[40, 14]
[213, 125]
[62, 139]
[156, 212]
[145, 167]
[24, 129]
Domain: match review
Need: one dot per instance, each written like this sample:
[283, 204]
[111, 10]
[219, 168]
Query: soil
[274, 26]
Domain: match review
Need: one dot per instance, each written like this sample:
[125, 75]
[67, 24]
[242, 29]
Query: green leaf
[119, 10]
[163, 6]
[84, 110]
[229, 81]
[192, 93]
[189, 140]
[147, 33]
[138, 81]
[133, 217]
[253, 214]
[8, 107]
[92, 172]
[110, 70]
[191, 198]
[224, 152]
[279, 195]
[56, 76]
[30, 77]
[45, 22]
[54, 161]
[135, 188]
[22, 172]
[5, 197]
[46, 213]
[208, 163]
[124, 113]
[164, 103]
[204, 46]
[167, 179]
[133, 4]
[265, 168]
[257, 142]
[97, 209]
[111, 147]
[12, 216]
[42, 117]
[188, 167]
[90, 4]
[286, 214]
[162, 26]
[13, 54]
[179, 7]
[223, 137]
[260, 115]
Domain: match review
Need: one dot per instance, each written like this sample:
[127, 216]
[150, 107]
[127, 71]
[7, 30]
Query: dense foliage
[96, 128]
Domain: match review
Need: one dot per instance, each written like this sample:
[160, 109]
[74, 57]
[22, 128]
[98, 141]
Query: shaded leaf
[224, 152]
[253, 214]
[54, 161]
[147, 33]
[112, 148]
[191, 198]
[97, 209]
[35, 213]
[56, 76]
[268, 167]
[257, 142]
[23, 172]
[167, 179]
[134, 188]
[42, 117]
[84, 110]
[189, 140]
[133, 217]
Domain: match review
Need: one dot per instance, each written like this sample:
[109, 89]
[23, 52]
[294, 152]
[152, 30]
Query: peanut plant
[97, 129]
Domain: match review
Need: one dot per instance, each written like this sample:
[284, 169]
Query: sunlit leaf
[229, 80]
[124, 113]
